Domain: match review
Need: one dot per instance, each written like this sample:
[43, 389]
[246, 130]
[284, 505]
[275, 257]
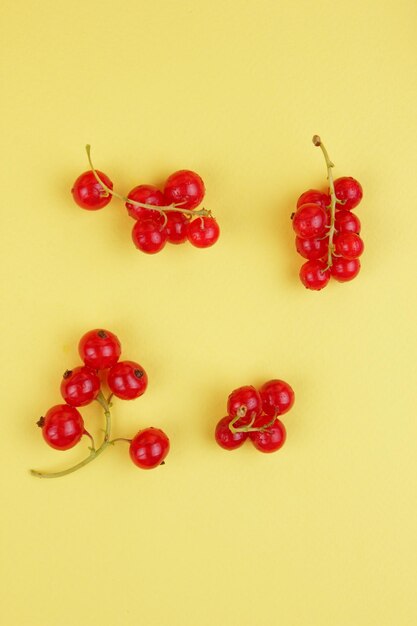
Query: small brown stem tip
[316, 140]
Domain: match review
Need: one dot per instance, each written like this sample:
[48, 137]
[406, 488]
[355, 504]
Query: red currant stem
[113, 441]
[162, 209]
[249, 427]
[87, 434]
[93, 453]
[333, 200]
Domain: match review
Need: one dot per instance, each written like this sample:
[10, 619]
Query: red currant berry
[277, 397]
[148, 236]
[312, 248]
[62, 427]
[245, 402]
[314, 275]
[127, 380]
[310, 220]
[348, 191]
[272, 438]
[88, 193]
[99, 349]
[344, 270]
[147, 194]
[314, 196]
[224, 436]
[176, 227]
[149, 448]
[347, 222]
[184, 188]
[348, 245]
[80, 386]
[203, 232]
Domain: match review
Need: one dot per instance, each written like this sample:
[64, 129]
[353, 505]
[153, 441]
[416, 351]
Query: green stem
[249, 428]
[93, 454]
[333, 200]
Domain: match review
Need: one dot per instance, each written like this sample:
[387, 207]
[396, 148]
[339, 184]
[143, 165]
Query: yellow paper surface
[322, 533]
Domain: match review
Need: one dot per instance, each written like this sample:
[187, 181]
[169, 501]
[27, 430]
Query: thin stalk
[333, 199]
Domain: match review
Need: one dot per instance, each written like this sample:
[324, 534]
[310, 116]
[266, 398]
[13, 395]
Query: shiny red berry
[80, 386]
[246, 402]
[149, 448]
[224, 436]
[312, 248]
[271, 439]
[277, 397]
[99, 349]
[88, 193]
[314, 196]
[314, 275]
[62, 427]
[348, 245]
[176, 227]
[148, 236]
[310, 220]
[147, 194]
[344, 270]
[203, 232]
[347, 222]
[127, 380]
[348, 191]
[184, 188]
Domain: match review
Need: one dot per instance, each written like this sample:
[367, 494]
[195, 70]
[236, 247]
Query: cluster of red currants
[254, 414]
[164, 216]
[63, 426]
[327, 232]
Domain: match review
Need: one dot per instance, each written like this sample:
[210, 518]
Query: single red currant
[348, 191]
[348, 245]
[184, 188]
[272, 438]
[149, 448]
[314, 275]
[62, 427]
[148, 236]
[147, 194]
[127, 380]
[277, 397]
[88, 193]
[344, 270]
[99, 349]
[310, 220]
[314, 196]
[244, 402]
[203, 232]
[80, 386]
[312, 248]
[347, 222]
[176, 227]
[224, 436]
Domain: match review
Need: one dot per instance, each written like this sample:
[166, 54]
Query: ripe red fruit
[347, 222]
[148, 236]
[88, 193]
[176, 227]
[314, 275]
[99, 349]
[203, 232]
[62, 427]
[127, 380]
[277, 397]
[80, 386]
[349, 191]
[314, 196]
[344, 270]
[348, 245]
[149, 448]
[312, 248]
[271, 439]
[147, 194]
[184, 188]
[310, 220]
[224, 436]
[246, 402]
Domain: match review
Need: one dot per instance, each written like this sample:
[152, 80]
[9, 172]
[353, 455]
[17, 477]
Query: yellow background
[324, 532]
